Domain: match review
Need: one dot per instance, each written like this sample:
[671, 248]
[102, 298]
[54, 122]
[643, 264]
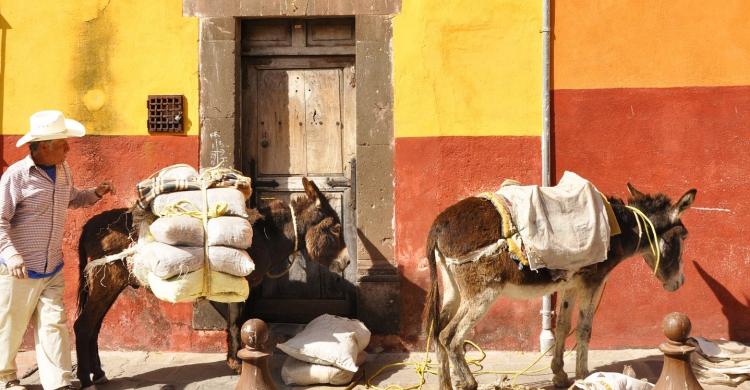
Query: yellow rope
[185, 207]
[425, 366]
[652, 242]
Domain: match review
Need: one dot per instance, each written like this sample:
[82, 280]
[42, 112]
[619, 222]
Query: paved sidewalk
[165, 370]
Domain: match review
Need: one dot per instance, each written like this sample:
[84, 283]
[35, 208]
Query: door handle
[338, 182]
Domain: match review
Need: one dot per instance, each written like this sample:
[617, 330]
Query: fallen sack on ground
[165, 261]
[720, 362]
[297, 372]
[184, 230]
[221, 202]
[329, 340]
[612, 381]
[189, 287]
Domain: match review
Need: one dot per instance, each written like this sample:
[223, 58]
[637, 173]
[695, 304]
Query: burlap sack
[235, 232]
[297, 372]
[165, 261]
[329, 340]
[189, 287]
[231, 261]
[232, 198]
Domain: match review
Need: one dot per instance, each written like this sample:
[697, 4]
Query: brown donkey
[470, 288]
[318, 236]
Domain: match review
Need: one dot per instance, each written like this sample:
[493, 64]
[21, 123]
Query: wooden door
[298, 120]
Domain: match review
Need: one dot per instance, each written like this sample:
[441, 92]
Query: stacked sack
[328, 351]
[181, 261]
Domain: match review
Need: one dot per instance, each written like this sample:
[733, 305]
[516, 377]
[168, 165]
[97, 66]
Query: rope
[425, 366]
[186, 207]
[653, 243]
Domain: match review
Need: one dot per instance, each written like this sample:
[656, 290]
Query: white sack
[235, 232]
[231, 261]
[166, 261]
[329, 340]
[231, 197]
[297, 372]
[612, 381]
[178, 230]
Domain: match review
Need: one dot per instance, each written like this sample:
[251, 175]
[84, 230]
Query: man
[35, 193]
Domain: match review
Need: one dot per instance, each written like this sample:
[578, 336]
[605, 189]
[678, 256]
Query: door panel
[323, 114]
[298, 121]
[281, 122]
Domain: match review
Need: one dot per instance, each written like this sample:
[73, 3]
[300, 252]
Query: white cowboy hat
[48, 125]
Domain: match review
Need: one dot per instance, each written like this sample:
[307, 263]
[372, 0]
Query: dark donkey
[318, 236]
[471, 287]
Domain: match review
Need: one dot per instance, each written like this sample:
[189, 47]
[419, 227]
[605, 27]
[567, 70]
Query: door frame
[220, 111]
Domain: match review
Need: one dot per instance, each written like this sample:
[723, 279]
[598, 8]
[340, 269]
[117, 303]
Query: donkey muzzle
[341, 261]
[674, 283]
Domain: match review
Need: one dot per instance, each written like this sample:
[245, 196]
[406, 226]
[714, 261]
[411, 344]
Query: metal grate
[165, 113]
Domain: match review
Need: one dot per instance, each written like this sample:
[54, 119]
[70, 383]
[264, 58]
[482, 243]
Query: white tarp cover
[563, 227]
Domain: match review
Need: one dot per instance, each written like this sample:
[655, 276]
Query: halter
[652, 242]
[294, 224]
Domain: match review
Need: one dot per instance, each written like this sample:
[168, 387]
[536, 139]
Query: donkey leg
[562, 328]
[236, 315]
[448, 309]
[587, 306]
[88, 324]
[470, 311]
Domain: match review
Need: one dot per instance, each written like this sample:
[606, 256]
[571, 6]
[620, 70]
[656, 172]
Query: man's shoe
[12, 385]
[68, 387]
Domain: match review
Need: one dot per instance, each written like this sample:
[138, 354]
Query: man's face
[53, 152]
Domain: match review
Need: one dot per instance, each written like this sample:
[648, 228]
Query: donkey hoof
[98, 380]
[561, 380]
[235, 365]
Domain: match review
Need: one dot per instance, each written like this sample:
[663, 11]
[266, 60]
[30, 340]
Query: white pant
[22, 300]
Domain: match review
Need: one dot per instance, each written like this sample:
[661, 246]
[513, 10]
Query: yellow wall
[467, 67]
[97, 61]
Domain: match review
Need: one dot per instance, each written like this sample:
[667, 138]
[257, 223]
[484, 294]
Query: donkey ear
[633, 192]
[683, 204]
[312, 191]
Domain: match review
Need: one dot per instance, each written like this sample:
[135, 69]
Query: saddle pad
[563, 227]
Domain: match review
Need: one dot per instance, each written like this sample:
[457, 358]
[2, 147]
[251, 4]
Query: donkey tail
[432, 302]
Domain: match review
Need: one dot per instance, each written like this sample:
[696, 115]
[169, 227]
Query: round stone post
[676, 372]
[256, 375]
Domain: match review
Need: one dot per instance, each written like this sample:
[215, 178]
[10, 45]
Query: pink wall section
[669, 140]
[431, 173]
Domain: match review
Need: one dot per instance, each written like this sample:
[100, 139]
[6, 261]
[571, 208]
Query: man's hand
[104, 188]
[16, 267]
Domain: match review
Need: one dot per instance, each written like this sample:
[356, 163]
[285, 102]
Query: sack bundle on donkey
[196, 246]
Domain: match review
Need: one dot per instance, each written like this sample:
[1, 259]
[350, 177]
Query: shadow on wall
[736, 312]
[4, 27]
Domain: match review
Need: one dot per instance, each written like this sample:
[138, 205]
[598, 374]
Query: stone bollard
[676, 372]
[256, 375]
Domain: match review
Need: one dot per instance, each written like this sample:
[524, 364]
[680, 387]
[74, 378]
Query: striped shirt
[32, 213]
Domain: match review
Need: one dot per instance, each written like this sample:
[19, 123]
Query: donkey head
[670, 232]
[323, 234]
